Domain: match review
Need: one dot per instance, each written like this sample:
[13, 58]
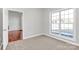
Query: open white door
[5, 28]
[5, 25]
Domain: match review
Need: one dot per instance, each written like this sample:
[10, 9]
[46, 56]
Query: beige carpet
[40, 43]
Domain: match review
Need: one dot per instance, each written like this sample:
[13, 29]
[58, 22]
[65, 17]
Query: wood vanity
[15, 35]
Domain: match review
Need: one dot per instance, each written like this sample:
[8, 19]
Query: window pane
[62, 16]
[66, 26]
[67, 23]
[56, 26]
[71, 21]
[66, 12]
[70, 15]
[52, 26]
[70, 11]
[55, 22]
[54, 17]
[62, 12]
[57, 17]
[62, 26]
[66, 16]
[56, 14]
[70, 26]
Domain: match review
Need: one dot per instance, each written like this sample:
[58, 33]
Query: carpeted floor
[40, 43]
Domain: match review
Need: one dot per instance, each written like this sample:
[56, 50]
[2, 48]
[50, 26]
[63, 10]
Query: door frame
[22, 17]
[5, 24]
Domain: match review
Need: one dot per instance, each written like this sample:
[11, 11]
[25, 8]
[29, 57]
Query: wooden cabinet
[14, 35]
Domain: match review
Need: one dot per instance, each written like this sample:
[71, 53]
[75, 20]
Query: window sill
[63, 36]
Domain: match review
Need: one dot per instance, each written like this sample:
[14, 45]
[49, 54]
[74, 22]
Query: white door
[5, 28]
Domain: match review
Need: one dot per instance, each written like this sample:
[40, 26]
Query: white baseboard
[67, 41]
[33, 36]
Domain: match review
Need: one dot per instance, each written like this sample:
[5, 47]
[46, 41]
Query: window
[62, 22]
[55, 22]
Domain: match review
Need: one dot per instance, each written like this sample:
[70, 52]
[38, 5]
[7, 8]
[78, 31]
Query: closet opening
[14, 26]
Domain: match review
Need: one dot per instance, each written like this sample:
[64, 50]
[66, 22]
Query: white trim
[5, 16]
[31, 36]
[74, 27]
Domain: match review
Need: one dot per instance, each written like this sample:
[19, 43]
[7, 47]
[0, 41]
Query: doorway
[14, 25]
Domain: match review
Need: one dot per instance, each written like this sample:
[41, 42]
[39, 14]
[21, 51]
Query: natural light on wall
[62, 22]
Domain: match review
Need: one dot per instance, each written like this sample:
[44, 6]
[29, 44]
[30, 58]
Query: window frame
[60, 22]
